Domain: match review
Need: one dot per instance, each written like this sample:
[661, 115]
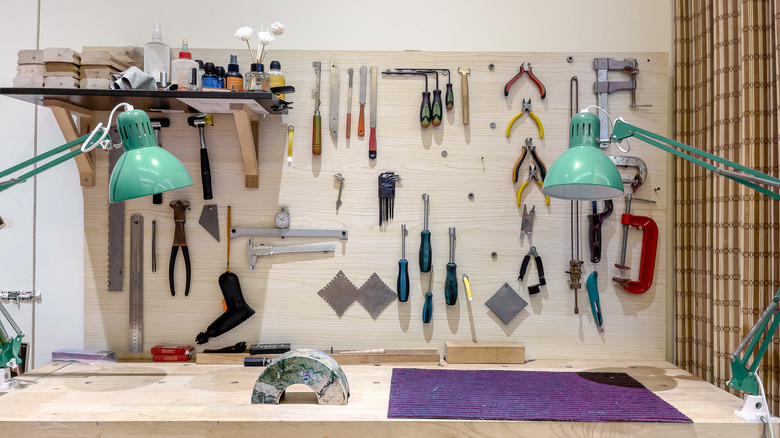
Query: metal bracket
[603, 87]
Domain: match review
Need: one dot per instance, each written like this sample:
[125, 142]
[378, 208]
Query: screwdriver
[425, 105]
[451, 281]
[436, 109]
[427, 311]
[425, 242]
[403, 273]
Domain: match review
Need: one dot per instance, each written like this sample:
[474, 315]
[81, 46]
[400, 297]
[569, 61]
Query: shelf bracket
[246, 125]
[64, 113]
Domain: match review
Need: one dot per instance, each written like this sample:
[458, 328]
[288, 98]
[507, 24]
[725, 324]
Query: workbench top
[177, 399]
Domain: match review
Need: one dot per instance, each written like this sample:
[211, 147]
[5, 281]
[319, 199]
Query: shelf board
[262, 102]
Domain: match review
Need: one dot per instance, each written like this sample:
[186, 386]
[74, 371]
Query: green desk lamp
[143, 169]
[584, 172]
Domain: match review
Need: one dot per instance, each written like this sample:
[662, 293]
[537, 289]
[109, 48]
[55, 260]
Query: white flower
[277, 28]
[244, 33]
[265, 37]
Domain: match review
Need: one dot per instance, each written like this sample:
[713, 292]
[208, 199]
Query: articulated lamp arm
[743, 373]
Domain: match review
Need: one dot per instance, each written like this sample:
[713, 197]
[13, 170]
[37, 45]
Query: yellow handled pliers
[531, 177]
[526, 108]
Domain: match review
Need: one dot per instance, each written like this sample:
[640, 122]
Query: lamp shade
[144, 168]
[583, 172]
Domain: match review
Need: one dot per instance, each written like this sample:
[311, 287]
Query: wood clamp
[649, 247]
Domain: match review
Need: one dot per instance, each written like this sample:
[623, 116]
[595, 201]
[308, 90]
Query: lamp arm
[622, 130]
[42, 168]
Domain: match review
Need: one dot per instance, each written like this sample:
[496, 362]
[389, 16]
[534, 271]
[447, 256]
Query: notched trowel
[209, 219]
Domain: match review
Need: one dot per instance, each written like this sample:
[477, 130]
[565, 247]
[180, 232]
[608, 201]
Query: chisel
[425, 239]
[349, 102]
[427, 311]
[451, 281]
[403, 272]
[372, 137]
[362, 101]
[316, 136]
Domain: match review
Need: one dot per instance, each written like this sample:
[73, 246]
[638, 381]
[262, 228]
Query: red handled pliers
[526, 67]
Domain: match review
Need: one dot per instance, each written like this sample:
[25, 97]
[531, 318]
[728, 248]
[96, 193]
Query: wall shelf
[67, 103]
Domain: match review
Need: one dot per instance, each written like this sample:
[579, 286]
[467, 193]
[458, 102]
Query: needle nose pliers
[526, 108]
[180, 208]
[526, 68]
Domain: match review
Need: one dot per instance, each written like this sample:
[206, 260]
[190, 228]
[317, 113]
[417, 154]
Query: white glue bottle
[157, 58]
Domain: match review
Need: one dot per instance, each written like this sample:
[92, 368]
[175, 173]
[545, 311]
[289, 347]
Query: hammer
[464, 89]
[200, 121]
[157, 125]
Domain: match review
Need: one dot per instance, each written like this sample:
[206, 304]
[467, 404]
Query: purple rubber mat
[525, 396]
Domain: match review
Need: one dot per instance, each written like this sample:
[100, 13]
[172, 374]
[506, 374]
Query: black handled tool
[451, 282]
[539, 267]
[427, 311]
[596, 220]
[403, 271]
[157, 125]
[180, 208]
[425, 239]
[200, 121]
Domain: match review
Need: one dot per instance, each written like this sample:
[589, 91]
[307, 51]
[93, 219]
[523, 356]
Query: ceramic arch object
[306, 366]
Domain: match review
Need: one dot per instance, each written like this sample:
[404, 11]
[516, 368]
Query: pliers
[526, 67]
[531, 177]
[539, 267]
[526, 108]
[180, 208]
[529, 148]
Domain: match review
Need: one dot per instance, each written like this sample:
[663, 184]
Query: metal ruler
[288, 232]
[136, 283]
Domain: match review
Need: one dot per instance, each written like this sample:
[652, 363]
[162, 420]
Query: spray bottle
[157, 58]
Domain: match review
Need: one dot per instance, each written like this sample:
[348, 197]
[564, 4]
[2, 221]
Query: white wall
[43, 245]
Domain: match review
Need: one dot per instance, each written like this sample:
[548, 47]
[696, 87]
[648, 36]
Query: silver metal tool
[603, 87]
[136, 344]
[333, 114]
[253, 252]
[527, 223]
[575, 263]
[349, 102]
[340, 178]
[362, 100]
[637, 162]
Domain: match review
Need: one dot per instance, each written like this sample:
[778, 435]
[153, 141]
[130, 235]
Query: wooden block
[117, 59]
[60, 82]
[30, 57]
[30, 70]
[28, 81]
[430, 356]
[484, 352]
[96, 72]
[61, 67]
[95, 83]
[61, 55]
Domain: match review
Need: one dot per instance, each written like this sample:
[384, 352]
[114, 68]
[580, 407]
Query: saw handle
[647, 262]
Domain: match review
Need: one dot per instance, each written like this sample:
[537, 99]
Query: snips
[180, 208]
[539, 268]
[525, 109]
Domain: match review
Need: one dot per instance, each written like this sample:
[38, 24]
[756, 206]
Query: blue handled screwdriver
[403, 272]
[427, 311]
[425, 239]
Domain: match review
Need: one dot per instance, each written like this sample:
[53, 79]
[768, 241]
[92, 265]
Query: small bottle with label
[183, 69]
[210, 78]
[276, 77]
[234, 80]
[256, 79]
[220, 72]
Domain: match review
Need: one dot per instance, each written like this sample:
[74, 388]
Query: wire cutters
[531, 177]
[529, 148]
[180, 208]
[526, 67]
[526, 108]
[539, 268]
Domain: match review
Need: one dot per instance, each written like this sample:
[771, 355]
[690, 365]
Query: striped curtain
[727, 237]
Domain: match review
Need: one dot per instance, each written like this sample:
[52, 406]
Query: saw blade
[340, 293]
[374, 295]
[136, 283]
[116, 232]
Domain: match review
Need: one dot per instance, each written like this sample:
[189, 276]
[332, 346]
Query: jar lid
[257, 67]
[275, 65]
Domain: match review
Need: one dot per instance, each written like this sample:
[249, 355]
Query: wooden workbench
[178, 399]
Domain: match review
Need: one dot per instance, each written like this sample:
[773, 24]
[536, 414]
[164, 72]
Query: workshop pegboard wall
[479, 161]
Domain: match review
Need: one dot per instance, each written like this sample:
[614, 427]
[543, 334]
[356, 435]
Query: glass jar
[256, 79]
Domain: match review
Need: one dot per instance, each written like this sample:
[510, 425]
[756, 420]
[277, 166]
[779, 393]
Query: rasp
[372, 138]
[349, 103]
[362, 102]
[334, 100]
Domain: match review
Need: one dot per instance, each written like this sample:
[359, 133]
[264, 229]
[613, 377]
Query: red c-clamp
[526, 67]
[649, 247]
